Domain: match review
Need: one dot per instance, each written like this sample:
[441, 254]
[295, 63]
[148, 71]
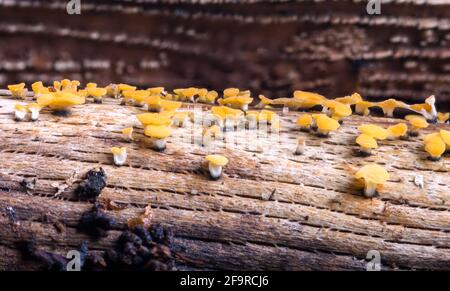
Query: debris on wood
[93, 184]
[61, 187]
[96, 222]
[418, 181]
[143, 219]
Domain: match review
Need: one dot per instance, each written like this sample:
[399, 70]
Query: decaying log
[271, 210]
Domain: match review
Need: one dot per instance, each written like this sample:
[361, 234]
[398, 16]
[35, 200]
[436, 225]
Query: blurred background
[271, 47]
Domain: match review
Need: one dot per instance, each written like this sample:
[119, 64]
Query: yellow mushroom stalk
[18, 91]
[374, 176]
[389, 106]
[20, 112]
[119, 155]
[157, 136]
[215, 165]
[127, 134]
[34, 109]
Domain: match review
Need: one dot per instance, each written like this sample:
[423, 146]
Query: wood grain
[271, 210]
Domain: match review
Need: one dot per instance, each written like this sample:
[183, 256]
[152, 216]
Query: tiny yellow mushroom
[366, 144]
[215, 165]
[337, 110]
[417, 122]
[213, 131]
[363, 107]
[112, 90]
[263, 102]
[154, 103]
[34, 109]
[60, 102]
[445, 135]
[301, 145]
[350, 100]
[305, 121]
[435, 147]
[158, 135]
[389, 106]
[230, 92]
[236, 102]
[119, 155]
[306, 100]
[180, 119]
[127, 134]
[168, 105]
[97, 93]
[127, 97]
[374, 176]
[125, 87]
[209, 98]
[157, 91]
[375, 131]
[325, 125]
[427, 109]
[38, 88]
[91, 85]
[154, 119]
[140, 97]
[18, 91]
[20, 112]
[399, 130]
[443, 117]
[57, 86]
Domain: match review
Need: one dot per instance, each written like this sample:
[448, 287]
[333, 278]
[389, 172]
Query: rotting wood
[315, 219]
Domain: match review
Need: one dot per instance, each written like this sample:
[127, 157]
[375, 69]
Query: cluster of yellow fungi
[231, 110]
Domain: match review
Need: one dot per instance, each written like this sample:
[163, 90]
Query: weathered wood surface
[270, 210]
[270, 47]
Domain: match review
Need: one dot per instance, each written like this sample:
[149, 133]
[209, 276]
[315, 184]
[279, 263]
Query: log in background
[271, 210]
[270, 47]
[315, 219]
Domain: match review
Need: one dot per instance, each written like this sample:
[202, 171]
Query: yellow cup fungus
[435, 147]
[215, 165]
[127, 134]
[417, 123]
[97, 93]
[20, 112]
[119, 155]
[374, 177]
[366, 143]
[305, 121]
[60, 102]
[157, 136]
[18, 91]
[375, 131]
[399, 130]
[325, 125]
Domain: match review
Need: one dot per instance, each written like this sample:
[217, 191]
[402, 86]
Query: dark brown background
[330, 47]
